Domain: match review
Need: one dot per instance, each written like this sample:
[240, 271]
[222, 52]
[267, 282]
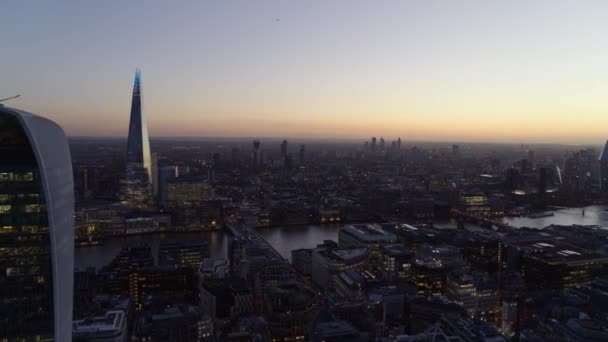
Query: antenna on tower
[10, 98]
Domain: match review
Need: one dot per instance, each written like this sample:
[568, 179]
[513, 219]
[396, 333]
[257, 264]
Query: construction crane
[9, 98]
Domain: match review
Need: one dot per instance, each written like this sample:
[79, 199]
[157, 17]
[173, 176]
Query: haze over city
[323, 171]
[518, 71]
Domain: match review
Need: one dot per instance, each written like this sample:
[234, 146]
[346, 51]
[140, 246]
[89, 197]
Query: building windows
[5, 209]
[6, 230]
[32, 208]
[16, 176]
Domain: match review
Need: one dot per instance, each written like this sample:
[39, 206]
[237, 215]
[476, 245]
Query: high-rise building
[531, 159]
[255, 153]
[37, 225]
[165, 174]
[154, 173]
[603, 160]
[137, 190]
[284, 149]
[302, 154]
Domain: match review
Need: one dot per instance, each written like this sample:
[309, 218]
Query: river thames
[286, 239]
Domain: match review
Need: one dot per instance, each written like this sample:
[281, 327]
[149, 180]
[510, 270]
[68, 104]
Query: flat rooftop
[210, 265]
[110, 322]
[344, 254]
[553, 251]
[368, 232]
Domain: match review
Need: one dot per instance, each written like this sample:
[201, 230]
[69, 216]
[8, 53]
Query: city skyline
[315, 171]
[469, 71]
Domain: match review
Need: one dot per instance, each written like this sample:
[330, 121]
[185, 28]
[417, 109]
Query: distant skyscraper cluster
[373, 146]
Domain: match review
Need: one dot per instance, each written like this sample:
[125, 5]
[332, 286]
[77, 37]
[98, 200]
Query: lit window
[32, 208]
[6, 229]
[4, 209]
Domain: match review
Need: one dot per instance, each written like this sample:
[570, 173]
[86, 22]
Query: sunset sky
[496, 71]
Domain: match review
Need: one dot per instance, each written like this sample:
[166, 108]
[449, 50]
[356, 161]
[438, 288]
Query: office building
[255, 154]
[396, 262]
[302, 154]
[371, 236]
[177, 323]
[475, 203]
[461, 290]
[327, 263]
[429, 277]
[554, 265]
[154, 173]
[301, 259]
[290, 307]
[225, 298]
[137, 186]
[213, 268]
[165, 174]
[37, 225]
[111, 327]
[284, 149]
[182, 191]
[187, 253]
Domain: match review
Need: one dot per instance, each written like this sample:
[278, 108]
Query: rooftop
[346, 254]
[210, 265]
[558, 252]
[111, 322]
[368, 232]
[338, 329]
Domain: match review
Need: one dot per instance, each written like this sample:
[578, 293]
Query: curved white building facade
[36, 229]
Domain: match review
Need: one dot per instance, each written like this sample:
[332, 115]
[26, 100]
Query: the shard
[137, 189]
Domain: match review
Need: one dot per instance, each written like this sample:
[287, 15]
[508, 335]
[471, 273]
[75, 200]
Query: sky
[496, 71]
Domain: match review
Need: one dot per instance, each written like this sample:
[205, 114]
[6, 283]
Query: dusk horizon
[319, 171]
[472, 71]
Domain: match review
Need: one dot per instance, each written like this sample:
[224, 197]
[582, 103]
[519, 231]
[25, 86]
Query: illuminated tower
[37, 229]
[137, 188]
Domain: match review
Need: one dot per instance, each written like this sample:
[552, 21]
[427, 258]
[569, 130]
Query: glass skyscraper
[36, 229]
[137, 187]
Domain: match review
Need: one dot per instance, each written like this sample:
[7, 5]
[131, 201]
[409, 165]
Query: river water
[283, 239]
[286, 239]
[595, 215]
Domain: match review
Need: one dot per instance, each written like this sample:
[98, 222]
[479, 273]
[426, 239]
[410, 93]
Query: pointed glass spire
[139, 171]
